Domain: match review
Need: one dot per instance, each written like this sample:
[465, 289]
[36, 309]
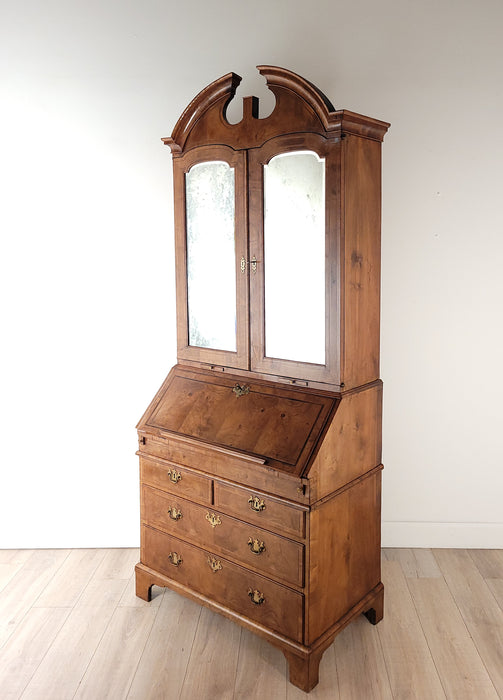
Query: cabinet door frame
[329, 149]
[181, 166]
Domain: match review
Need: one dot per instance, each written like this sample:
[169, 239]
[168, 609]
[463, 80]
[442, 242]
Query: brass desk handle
[241, 390]
[175, 558]
[255, 546]
[213, 519]
[256, 597]
[174, 476]
[214, 564]
[174, 514]
[256, 504]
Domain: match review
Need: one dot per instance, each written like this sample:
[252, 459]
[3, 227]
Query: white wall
[87, 88]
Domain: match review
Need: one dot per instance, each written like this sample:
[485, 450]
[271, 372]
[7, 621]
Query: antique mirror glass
[211, 277]
[294, 257]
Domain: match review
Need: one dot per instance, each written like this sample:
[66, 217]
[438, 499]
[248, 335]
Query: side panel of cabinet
[345, 556]
[361, 168]
[181, 166]
[352, 444]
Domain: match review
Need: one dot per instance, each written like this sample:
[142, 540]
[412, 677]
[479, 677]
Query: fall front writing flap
[279, 424]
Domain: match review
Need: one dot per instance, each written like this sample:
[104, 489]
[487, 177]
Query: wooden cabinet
[260, 456]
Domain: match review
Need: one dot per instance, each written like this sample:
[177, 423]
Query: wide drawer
[254, 547]
[245, 592]
[260, 509]
[175, 479]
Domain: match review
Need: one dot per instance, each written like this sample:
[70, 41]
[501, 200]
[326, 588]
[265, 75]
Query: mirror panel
[211, 255]
[294, 257]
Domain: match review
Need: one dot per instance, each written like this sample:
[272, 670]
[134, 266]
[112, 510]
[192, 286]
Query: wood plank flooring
[72, 627]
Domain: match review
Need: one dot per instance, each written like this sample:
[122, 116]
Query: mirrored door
[211, 290]
[295, 242]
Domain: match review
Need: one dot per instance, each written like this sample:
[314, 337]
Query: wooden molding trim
[300, 107]
[215, 95]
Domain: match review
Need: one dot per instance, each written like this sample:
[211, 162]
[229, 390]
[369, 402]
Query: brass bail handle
[256, 597]
[175, 558]
[256, 504]
[174, 476]
[256, 546]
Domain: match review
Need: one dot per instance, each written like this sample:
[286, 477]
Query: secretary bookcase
[260, 455]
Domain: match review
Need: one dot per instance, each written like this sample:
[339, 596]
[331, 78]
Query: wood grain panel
[280, 611]
[278, 516]
[352, 443]
[344, 559]
[362, 261]
[282, 558]
[161, 474]
[274, 425]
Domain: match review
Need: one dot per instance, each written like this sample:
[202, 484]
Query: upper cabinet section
[278, 235]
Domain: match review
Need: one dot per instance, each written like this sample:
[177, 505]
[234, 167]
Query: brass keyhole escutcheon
[256, 504]
[213, 519]
[256, 546]
[214, 564]
[241, 390]
[175, 558]
[256, 597]
[174, 476]
[174, 514]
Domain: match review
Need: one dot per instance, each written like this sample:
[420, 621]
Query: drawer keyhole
[213, 519]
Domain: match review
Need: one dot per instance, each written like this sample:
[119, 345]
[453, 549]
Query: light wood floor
[71, 627]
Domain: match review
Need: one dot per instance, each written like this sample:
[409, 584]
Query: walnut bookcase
[260, 455]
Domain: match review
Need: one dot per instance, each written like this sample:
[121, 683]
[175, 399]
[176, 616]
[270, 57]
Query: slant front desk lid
[278, 424]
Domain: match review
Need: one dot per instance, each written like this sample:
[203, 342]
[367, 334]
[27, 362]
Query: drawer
[175, 479]
[260, 509]
[254, 547]
[245, 592]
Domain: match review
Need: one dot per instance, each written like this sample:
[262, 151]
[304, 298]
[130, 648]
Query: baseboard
[443, 535]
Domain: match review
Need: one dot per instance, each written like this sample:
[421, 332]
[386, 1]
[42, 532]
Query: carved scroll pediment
[300, 107]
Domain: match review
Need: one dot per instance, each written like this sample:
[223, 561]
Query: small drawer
[261, 509]
[249, 545]
[175, 479]
[240, 590]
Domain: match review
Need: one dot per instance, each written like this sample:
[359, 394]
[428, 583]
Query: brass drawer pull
[174, 514]
[174, 476]
[255, 546]
[214, 564]
[256, 597]
[256, 504]
[213, 519]
[175, 558]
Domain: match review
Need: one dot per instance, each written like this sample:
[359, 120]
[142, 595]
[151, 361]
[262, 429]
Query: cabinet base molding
[303, 661]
